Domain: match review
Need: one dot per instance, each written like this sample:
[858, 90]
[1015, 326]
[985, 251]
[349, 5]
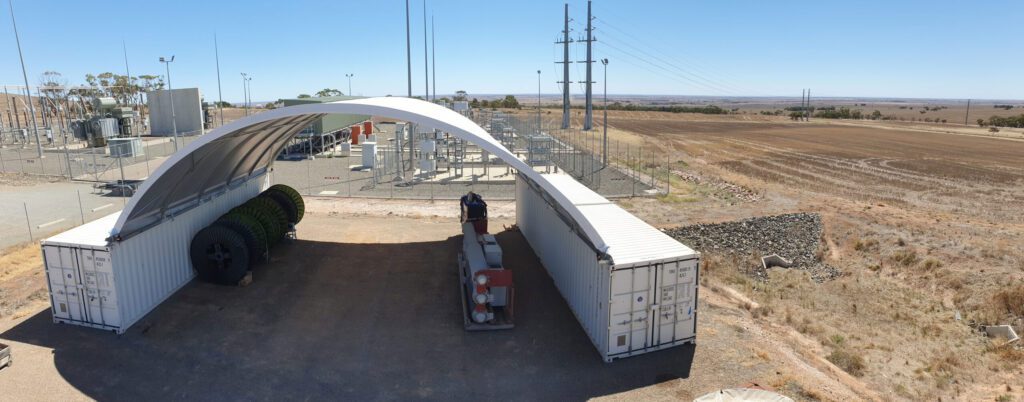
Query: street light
[604, 151]
[538, 102]
[349, 76]
[28, 91]
[170, 93]
[245, 94]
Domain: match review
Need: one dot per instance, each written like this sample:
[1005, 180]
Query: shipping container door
[674, 304]
[65, 281]
[98, 287]
[632, 292]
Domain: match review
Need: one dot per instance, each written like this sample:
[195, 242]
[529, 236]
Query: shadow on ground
[353, 322]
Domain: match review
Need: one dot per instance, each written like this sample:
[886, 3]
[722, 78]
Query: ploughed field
[952, 173]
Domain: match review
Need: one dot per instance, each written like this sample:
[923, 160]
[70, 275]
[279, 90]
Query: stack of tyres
[225, 251]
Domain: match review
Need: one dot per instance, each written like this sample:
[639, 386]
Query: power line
[666, 72]
[680, 60]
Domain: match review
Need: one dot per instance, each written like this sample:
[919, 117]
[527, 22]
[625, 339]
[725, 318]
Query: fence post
[28, 222]
[668, 175]
[81, 211]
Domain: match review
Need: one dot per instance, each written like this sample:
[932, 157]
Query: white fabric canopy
[246, 147]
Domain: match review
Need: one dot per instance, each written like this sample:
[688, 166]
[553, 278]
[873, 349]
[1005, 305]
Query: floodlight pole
[31, 109]
[408, 50]
[220, 96]
[604, 151]
[349, 76]
[170, 94]
[245, 95]
[538, 102]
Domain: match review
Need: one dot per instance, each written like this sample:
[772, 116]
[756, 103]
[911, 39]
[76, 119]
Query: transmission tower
[565, 69]
[588, 120]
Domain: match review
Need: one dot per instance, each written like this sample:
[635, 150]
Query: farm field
[923, 225]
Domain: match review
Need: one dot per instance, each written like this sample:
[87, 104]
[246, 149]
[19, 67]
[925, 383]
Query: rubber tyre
[285, 202]
[253, 242]
[219, 255]
[275, 211]
[295, 196]
[271, 226]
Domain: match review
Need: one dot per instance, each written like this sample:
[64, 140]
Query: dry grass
[1011, 300]
[905, 258]
[21, 278]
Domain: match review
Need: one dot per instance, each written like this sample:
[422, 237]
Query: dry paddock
[360, 308]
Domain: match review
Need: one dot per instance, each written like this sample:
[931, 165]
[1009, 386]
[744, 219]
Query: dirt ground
[923, 222]
[365, 307]
[925, 226]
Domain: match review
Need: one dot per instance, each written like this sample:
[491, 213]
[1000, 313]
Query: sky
[905, 49]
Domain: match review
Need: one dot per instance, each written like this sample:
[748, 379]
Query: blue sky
[923, 49]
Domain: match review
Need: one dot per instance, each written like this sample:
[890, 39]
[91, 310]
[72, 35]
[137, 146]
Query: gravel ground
[796, 237]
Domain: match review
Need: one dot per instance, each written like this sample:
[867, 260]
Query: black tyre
[285, 202]
[300, 206]
[219, 255]
[277, 214]
[251, 232]
[271, 226]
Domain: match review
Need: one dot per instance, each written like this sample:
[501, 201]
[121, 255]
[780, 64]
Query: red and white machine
[487, 286]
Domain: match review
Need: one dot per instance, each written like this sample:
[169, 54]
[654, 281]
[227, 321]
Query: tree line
[1009, 121]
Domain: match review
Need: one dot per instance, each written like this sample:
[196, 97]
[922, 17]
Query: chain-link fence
[73, 160]
[405, 161]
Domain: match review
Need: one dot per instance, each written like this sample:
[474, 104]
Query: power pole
[966, 115]
[408, 49]
[588, 120]
[803, 100]
[565, 70]
[28, 92]
[433, 59]
[807, 109]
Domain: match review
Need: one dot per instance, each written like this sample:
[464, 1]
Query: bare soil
[925, 226]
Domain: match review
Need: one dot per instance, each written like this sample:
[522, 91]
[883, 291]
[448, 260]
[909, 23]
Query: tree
[474, 103]
[323, 93]
[222, 104]
[269, 106]
[304, 96]
[981, 122]
[509, 102]
[876, 115]
[460, 95]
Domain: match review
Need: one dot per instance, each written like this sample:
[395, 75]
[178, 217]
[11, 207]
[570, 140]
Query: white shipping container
[638, 296]
[100, 283]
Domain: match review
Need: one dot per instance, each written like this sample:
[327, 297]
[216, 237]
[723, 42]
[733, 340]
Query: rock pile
[736, 191]
[796, 237]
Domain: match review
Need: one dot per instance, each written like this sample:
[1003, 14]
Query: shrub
[905, 258]
[932, 263]
[849, 362]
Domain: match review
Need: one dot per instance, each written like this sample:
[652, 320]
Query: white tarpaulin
[246, 147]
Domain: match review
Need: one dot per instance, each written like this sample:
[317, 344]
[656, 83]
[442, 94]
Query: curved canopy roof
[241, 149]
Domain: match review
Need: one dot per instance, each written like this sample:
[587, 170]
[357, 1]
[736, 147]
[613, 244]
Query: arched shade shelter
[247, 147]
